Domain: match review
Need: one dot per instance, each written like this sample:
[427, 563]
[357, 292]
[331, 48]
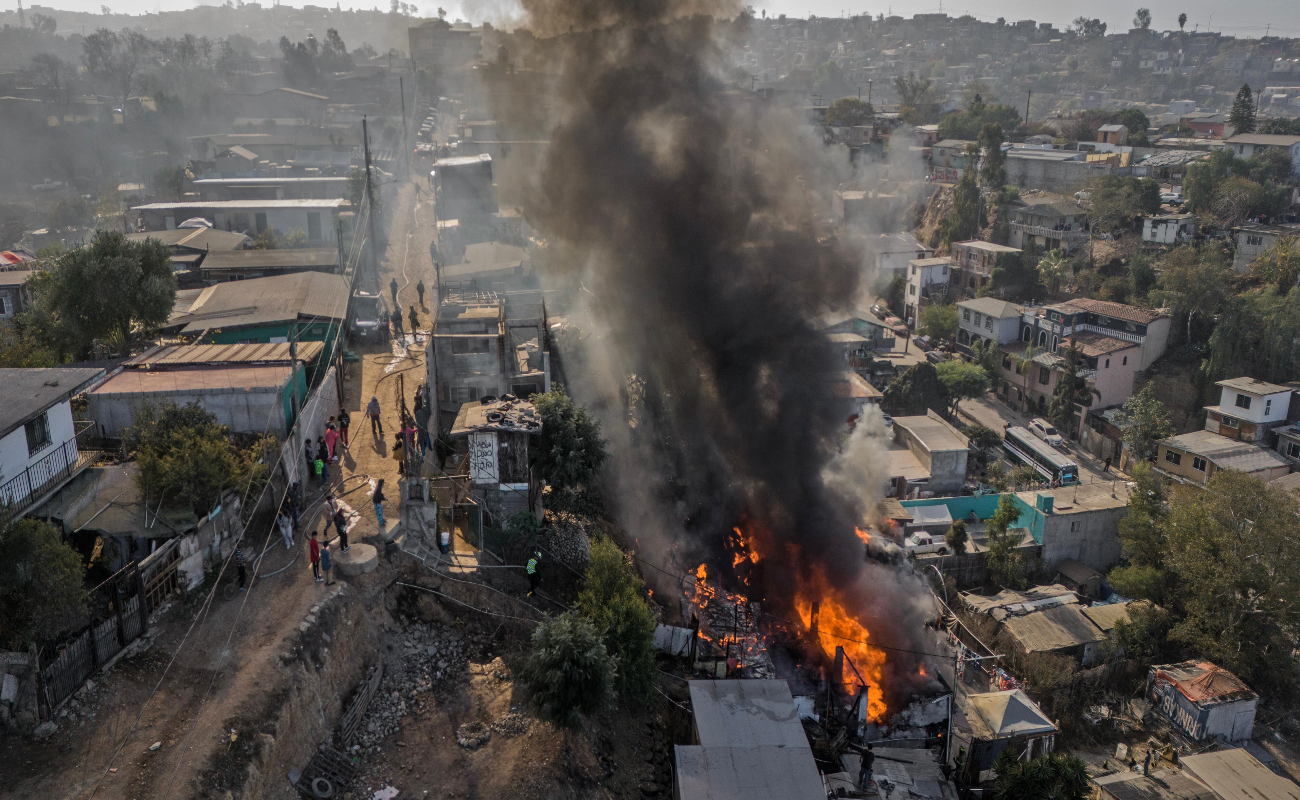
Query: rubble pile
[473, 735]
[511, 724]
[426, 658]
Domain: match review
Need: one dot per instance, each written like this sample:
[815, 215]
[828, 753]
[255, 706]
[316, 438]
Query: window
[1108, 363]
[38, 434]
[911, 289]
[1006, 362]
[1268, 406]
[1074, 525]
[1293, 450]
[1027, 335]
[313, 226]
[469, 346]
[913, 269]
[1173, 458]
[241, 222]
[1231, 422]
[965, 315]
[978, 318]
[988, 323]
[464, 394]
[6, 308]
[1044, 375]
[1243, 401]
[1198, 463]
[1125, 362]
[260, 219]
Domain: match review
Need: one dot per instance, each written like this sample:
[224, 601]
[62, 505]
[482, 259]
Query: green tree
[828, 80]
[983, 437]
[570, 450]
[1234, 550]
[962, 380]
[70, 212]
[988, 355]
[568, 673]
[1143, 634]
[913, 91]
[20, 347]
[1051, 777]
[1242, 115]
[118, 59]
[104, 289]
[1066, 394]
[1279, 265]
[1142, 19]
[1142, 276]
[1199, 183]
[968, 123]
[355, 188]
[1144, 421]
[964, 221]
[1182, 21]
[1194, 282]
[914, 390]
[1255, 334]
[1089, 28]
[849, 111]
[42, 584]
[939, 322]
[1286, 126]
[612, 598]
[1006, 566]
[1137, 124]
[957, 538]
[186, 459]
[994, 173]
[895, 293]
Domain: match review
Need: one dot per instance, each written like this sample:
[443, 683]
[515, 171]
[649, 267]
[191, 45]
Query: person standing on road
[534, 577]
[326, 563]
[415, 320]
[239, 565]
[285, 523]
[341, 523]
[422, 415]
[372, 411]
[378, 499]
[1106, 468]
[419, 289]
[345, 419]
[323, 455]
[309, 451]
[396, 322]
[314, 553]
[399, 455]
[331, 436]
[392, 287]
[868, 761]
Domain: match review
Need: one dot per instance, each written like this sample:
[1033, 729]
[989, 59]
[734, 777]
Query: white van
[1046, 431]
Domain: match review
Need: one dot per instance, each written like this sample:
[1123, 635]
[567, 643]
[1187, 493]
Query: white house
[927, 282]
[1248, 408]
[1253, 238]
[38, 439]
[986, 318]
[317, 218]
[1169, 229]
[889, 254]
[1245, 145]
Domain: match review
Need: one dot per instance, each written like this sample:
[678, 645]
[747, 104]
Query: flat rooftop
[207, 380]
[935, 434]
[1081, 498]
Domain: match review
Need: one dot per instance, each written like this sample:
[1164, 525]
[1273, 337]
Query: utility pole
[869, 82]
[1027, 99]
[406, 142]
[370, 198]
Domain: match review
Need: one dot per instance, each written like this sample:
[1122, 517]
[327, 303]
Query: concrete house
[1051, 222]
[1248, 409]
[1245, 145]
[487, 347]
[888, 254]
[1049, 326]
[249, 388]
[1113, 134]
[1194, 457]
[1254, 238]
[986, 318]
[1079, 523]
[1169, 229]
[1202, 701]
[974, 262]
[41, 445]
[1288, 443]
[927, 282]
[939, 448]
[317, 219]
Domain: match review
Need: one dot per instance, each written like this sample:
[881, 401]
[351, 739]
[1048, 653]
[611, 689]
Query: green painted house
[311, 305]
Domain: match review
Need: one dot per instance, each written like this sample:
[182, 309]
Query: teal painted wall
[320, 331]
[984, 507]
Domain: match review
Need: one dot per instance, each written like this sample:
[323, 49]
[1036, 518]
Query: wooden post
[816, 609]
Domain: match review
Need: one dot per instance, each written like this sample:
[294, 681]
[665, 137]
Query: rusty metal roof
[1204, 683]
[216, 354]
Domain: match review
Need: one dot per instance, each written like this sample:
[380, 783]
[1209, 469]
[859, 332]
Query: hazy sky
[1240, 18]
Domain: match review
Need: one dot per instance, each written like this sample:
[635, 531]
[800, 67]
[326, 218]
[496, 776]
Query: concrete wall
[1089, 537]
[242, 410]
[14, 457]
[1061, 177]
[1277, 408]
[1115, 375]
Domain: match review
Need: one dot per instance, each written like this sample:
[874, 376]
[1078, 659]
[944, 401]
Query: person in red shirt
[315, 557]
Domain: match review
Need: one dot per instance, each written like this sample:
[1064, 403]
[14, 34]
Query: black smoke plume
[690, 211]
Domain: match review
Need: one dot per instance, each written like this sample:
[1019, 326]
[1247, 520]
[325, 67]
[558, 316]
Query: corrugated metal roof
[266, 301]
[747, 773]
[1056, 628]
[1226, 453]
[1010, 713]
[292, 258]
[213, 354]
[235, 205]
[1163, 784]
[1105, 617]
[215, 380]
[1237, 775]
[1203, 682]
[746, 713]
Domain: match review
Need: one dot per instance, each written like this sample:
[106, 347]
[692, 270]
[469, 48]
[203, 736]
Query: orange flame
[701, 573]
[863, 535]
[837, 627]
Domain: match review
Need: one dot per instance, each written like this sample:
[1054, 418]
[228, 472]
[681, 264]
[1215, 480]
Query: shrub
[569, 672]
[612, 600]
[42, 584]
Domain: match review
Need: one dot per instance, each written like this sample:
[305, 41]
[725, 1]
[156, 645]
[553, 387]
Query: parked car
[1046, 431]
[922, 342]
[880, 310]
[369, 319]
[938, 356]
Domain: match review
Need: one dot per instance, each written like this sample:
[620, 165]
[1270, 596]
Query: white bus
[1027, 448]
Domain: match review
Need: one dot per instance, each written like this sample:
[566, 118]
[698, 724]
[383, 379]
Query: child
[286, 528]
[314, 553]
[326, 563]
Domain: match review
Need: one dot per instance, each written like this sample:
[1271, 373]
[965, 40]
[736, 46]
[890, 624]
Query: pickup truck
[47, 185]
[921, 543]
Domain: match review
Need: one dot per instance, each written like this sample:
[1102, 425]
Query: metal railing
[61, 464]
[1075, 235]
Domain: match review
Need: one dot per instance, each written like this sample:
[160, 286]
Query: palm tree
[1052, 268]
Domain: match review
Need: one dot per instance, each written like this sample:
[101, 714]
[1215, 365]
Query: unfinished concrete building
[487, 345]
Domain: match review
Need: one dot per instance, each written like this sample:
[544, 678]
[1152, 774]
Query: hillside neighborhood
[636, 403]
